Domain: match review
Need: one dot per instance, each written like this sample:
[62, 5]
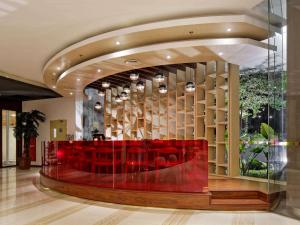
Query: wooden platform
[223, 194]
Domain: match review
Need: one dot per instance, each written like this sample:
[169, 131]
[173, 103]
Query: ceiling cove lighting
[140, 86]
[190, 86]
[159, 77]
[105, 84]
[126, 89]
[118, 99]
[101, 93]
[123, 96]
[134, 76]
[162, 89]
[98, 106]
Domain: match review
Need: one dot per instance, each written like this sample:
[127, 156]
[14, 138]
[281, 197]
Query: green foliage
[257, 91]
[257, 165]
[258, 173]
[257, 144]
[266, 131]
[27, 127]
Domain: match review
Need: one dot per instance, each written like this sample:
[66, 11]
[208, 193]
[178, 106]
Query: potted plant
[27, 128]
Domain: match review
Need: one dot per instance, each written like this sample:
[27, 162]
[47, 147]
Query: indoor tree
[27, 128]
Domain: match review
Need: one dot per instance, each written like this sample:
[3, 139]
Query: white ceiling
[31, 31]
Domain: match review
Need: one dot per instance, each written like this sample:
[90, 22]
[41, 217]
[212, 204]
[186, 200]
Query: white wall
[54, 109]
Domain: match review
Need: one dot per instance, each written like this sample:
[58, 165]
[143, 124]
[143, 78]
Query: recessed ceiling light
[99, 70]
[54, 87]
[71, 93]
[78, 79]
[228, 29]
[168, 57]
[58, 68]
[53, 73]
[220, 53]
[132, 62]
[118, 43]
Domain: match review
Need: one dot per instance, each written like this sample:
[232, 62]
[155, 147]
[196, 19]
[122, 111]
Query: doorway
[8, 139]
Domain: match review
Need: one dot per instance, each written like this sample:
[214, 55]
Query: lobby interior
[149, 112]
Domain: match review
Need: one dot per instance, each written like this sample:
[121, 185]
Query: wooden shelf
[202, 114]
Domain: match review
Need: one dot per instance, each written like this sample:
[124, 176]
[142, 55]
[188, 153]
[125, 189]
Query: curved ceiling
[228, 37]
[32, 31]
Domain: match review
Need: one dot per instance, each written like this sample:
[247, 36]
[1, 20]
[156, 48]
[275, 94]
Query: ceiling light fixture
[126, 89]
[58, 68]
[105, 84]
[159, 77]
[190, 86]
[220, 53]
[140, 86]
[228, 29]
[118, 43]
[71, 93]
[124, 96]
[54, 87]
[134, 76]
[98, 106]
[101, 93]
[118, 99]
[99, 70]
[162, 89]
[78, 79]
[168, 57]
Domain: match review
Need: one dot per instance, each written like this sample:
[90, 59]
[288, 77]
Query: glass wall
[8, 138]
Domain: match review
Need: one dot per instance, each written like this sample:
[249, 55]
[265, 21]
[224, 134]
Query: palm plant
[27, 128]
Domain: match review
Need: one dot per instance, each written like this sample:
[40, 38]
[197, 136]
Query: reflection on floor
[24, 201]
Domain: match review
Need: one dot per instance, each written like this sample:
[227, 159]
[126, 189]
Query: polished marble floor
[24, 201]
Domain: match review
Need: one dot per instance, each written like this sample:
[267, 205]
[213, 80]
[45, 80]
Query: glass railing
[149, 165]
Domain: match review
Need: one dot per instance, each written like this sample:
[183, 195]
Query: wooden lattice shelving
[211, 112]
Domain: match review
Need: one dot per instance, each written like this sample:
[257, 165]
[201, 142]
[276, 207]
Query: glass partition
[152, 165]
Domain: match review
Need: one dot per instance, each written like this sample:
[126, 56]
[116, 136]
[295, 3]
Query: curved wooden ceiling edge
[165, 24]
[154, 55]
[83, 58]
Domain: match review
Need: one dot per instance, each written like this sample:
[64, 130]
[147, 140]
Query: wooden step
[239, 204]
[236, 195]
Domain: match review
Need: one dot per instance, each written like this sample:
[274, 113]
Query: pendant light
[98, 106]
[140, 86]
[118, 99]
[124, 96]
[190, 85]
[162, 89]
[134, 76]
[126, 89]
[159, 77]
[101, 93]
[105, 84]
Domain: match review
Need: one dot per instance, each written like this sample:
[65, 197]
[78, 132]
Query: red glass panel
[149, 165]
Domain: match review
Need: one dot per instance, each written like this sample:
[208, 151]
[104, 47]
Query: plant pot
[24, 163]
